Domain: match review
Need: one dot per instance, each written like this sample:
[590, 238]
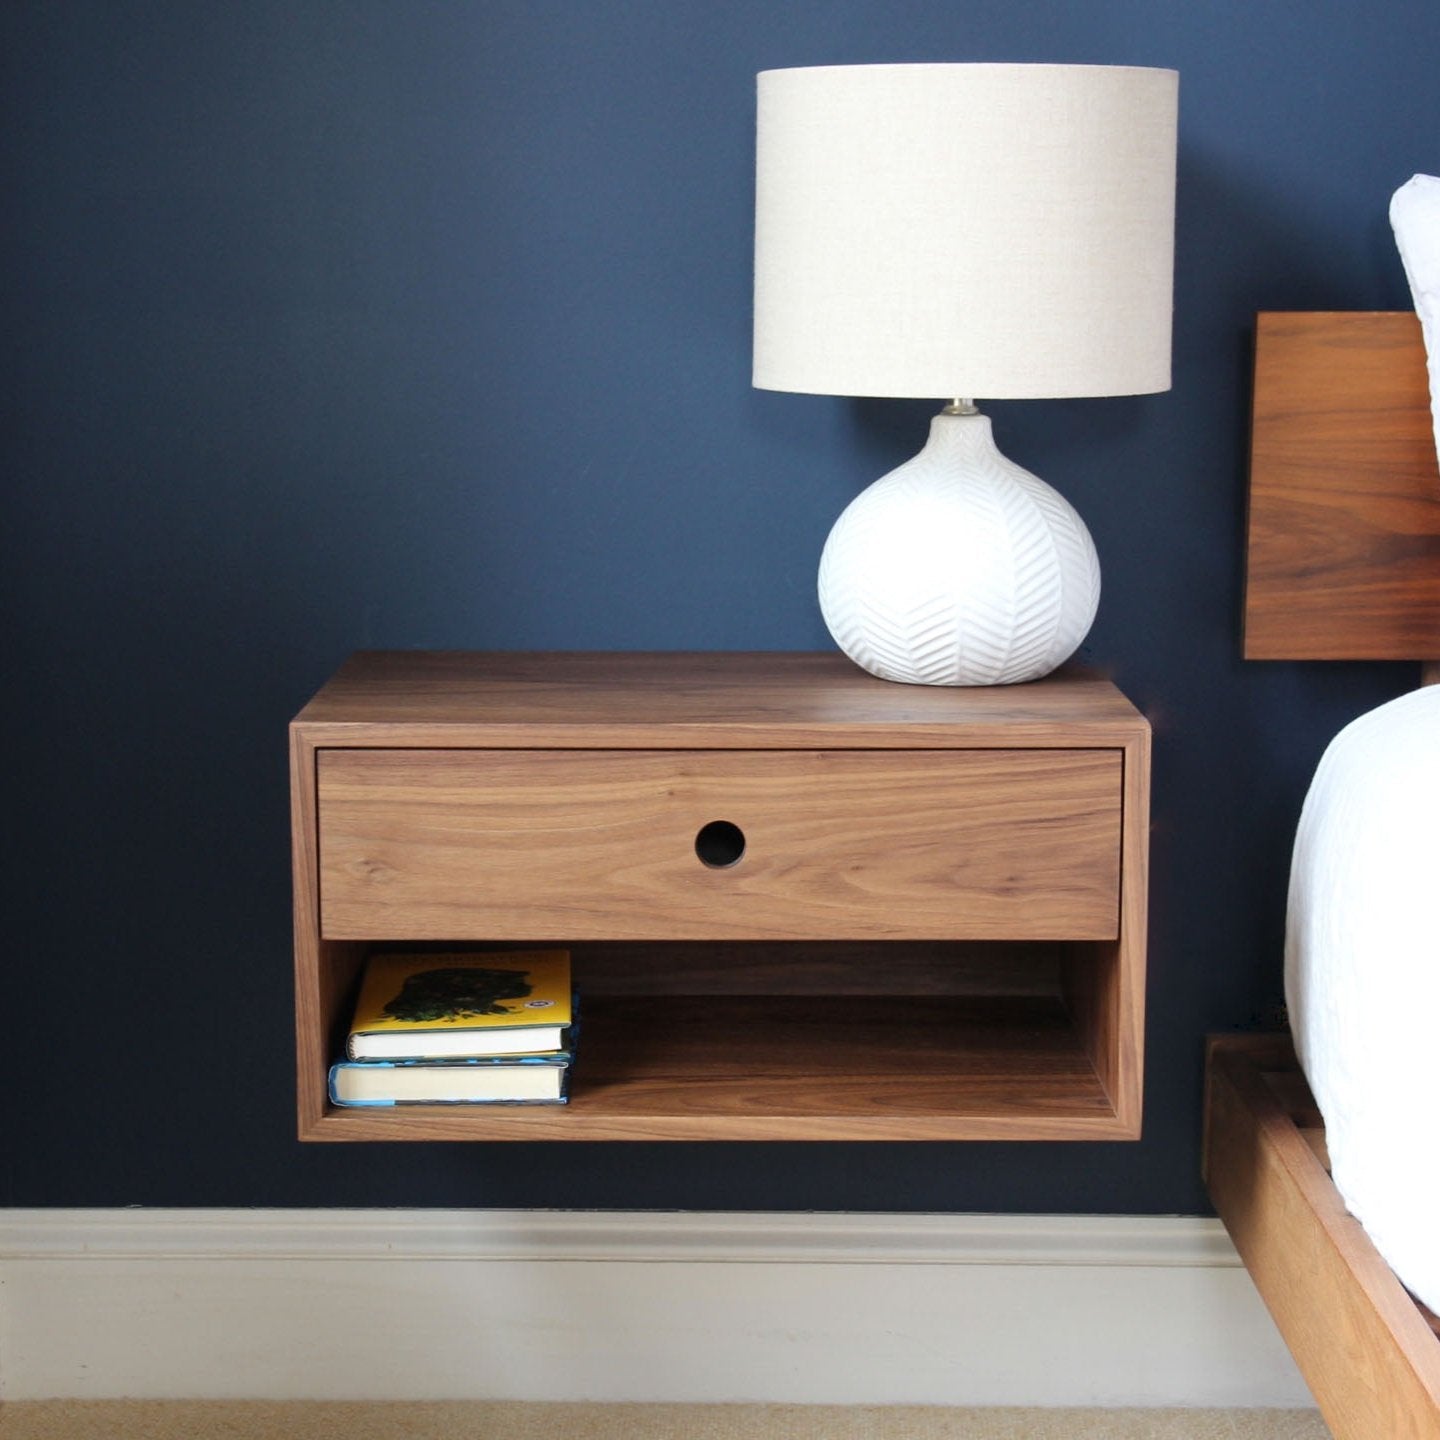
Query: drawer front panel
[606, 845]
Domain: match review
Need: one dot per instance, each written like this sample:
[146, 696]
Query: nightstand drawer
[707, 844]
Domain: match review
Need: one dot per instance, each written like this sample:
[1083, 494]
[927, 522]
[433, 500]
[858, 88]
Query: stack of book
[460, 1028]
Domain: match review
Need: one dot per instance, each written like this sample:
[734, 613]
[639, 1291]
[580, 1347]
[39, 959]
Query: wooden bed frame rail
[1364, 1345]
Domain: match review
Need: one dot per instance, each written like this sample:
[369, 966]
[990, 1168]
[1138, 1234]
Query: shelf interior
[833, 1055]
[809, 1041]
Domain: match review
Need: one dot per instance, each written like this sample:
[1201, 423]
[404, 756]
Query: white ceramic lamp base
[959, 568]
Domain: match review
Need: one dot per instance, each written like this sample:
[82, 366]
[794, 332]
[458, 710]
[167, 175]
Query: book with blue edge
[493, 1080]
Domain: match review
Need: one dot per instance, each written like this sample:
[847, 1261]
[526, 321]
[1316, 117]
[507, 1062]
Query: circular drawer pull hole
[719, 844]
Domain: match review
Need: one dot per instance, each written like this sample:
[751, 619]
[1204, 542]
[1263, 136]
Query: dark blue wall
[330, 325]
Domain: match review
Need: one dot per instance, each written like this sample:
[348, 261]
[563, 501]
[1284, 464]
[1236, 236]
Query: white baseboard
[548, 1305]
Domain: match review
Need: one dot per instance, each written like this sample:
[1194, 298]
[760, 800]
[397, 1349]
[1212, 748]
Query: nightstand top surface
[694, 699]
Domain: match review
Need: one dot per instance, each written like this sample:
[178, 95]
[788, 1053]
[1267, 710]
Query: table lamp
[952, 232]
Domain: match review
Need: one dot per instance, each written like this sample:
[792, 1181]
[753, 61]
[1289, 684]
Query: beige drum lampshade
[937, 231]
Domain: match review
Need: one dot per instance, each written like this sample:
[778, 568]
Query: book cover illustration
[464, 1004]
[492, 1080]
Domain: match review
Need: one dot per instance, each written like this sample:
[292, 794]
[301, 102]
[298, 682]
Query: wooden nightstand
[802, 903]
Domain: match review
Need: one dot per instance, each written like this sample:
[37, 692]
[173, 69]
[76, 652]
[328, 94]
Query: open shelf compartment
[900, 1041]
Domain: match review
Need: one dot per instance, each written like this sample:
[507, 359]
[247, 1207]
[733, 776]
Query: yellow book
[462, 1005]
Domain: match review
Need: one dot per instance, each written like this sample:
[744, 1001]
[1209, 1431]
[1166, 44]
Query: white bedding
[1362, 975]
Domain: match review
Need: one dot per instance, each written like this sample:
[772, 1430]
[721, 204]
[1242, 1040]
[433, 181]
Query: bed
[1343, 562]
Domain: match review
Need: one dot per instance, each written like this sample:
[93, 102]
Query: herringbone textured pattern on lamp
[959, 568]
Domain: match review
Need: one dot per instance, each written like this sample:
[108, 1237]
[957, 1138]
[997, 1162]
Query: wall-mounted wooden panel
[1344, 528]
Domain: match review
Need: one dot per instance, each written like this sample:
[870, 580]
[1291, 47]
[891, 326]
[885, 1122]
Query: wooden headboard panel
[1343, 550]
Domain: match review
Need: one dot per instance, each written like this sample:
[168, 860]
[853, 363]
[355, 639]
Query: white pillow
[1362, 974]
[1415, 218]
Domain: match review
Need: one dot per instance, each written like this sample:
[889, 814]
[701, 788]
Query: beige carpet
[462, 1420]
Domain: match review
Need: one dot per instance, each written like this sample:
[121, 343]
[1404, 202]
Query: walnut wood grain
[706, 700]
[325, 971]
[1359, 1339]
[801, 1068]
[818, 1029]
[1104, 983]
[979, 844]
[1344, 527]
[796, 967]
